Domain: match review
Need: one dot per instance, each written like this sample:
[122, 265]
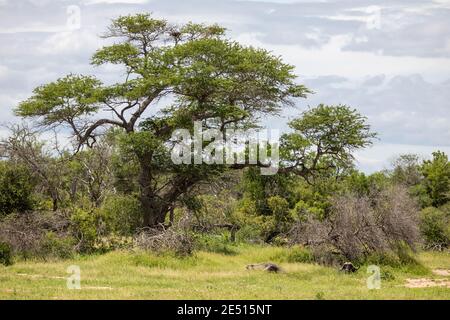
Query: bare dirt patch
[96, 288]
[427, 283]
[442, 272]
[39, 276]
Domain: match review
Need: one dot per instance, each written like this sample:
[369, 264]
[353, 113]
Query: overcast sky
[389, 59]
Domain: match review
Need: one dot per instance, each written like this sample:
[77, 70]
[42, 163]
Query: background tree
[323, 141]
[406, 170]
[436, 182]
[50, 172]
[16, 188]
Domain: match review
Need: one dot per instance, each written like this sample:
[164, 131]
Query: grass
[209, 275]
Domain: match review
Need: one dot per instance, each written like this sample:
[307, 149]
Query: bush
[361, 226]
[435, 228]
[300, 255]
[214, 243]
[55, 246]
[26, 233]
[113, 242]
[249, 234]
[85, 226]
[122, 215]
[5, 254]
[255, 227]
[16, 189]
[174, 239]
[295, 254]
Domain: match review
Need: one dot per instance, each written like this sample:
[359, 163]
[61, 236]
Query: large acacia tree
[204, 76]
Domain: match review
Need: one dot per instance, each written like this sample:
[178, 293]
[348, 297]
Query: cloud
[380, 155]
[402, 109]
[88, 2]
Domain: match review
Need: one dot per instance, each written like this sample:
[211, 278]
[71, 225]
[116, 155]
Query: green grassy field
[206, 275]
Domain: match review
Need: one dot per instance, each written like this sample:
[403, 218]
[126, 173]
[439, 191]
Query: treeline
[57, 204]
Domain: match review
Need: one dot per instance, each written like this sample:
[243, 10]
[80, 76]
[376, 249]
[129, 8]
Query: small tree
[435, 228]
[24, 148]
[324, 140]
[406, 170]
[16, 188]
[436, 182]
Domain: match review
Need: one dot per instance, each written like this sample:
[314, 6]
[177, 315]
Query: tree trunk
[156, 205]
[154, 208]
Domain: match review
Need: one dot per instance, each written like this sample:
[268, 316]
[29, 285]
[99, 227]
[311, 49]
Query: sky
[388, 59]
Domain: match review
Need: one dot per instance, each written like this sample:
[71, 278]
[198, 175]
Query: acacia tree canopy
[323, 140]
[206, 77]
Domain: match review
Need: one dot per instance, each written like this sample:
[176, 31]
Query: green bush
[56, 247]
[16, 189]
[5, 254]
[249, 234]
[122, 215]
[435, 228]
[86, 228]
[300, 255]
[219, 243]
[296, 254]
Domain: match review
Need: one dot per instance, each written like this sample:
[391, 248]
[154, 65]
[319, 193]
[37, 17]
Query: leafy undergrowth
[211, 275]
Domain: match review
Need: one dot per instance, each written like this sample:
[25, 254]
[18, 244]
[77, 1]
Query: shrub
[55, 246]
[122, 215]
[295, 254]
[26, 233]
[16, 189]
[85, 226]
[436, 181]
[361, 226]
[5, 254]
[174, 239]
[435, 228]
[219, 243]
[300, 255]
[249, 233]
[113, 242]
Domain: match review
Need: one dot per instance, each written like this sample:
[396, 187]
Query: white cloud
[88, 2]
[69, 42]
[379, 156]
[331, 59]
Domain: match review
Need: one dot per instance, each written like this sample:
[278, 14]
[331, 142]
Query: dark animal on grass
[270, 267]
[348, 267]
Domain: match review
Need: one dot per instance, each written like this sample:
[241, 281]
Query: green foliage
[254, 227]
[281, 214]
[363, 185]
[55, 246]
[324, 140]
[64, 100]
[121, 214]
[16, 188]
[113, 242]
[296, 254]
[211, 79]
[6, 256]
[437, 178]
[406, 170]
[435, 228]
[218, 243]
[85, 225]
